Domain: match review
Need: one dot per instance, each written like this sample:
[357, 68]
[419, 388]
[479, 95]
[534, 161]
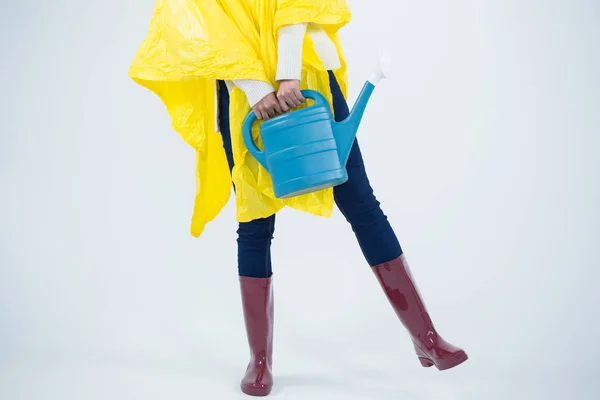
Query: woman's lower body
[378, 242]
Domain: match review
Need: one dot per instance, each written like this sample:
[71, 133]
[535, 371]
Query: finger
[284, 107]
[292, 101]
[289, 100]
[298, 95]
[277, 107]
[259, 114]
[270, 112]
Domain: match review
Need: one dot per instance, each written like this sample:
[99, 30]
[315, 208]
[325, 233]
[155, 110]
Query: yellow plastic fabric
[191, 44]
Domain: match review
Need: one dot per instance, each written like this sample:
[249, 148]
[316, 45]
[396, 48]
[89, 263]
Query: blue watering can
[306, 150]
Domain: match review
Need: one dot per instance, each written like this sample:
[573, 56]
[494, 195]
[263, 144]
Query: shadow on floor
[354, 387]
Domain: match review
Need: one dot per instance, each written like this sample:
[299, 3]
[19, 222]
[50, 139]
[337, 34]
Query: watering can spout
[345, 131]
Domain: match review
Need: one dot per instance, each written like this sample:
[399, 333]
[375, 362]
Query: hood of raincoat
[193, 43]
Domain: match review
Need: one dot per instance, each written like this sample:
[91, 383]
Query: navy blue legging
[355, 199]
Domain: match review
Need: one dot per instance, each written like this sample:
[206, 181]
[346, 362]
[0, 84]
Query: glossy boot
[397, 282]
[257, 302]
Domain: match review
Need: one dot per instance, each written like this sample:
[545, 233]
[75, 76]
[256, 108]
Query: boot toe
[256, 389]
[441, 354]
[450, 362]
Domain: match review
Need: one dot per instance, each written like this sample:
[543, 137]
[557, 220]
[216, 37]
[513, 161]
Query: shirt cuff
[289, 51]
[255, 90]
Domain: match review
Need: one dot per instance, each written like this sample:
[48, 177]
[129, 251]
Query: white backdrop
[483, 151]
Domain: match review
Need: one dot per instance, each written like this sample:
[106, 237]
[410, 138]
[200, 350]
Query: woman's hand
[268, 107]
[289, 94]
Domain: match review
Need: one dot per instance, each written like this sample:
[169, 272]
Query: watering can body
[306, 150]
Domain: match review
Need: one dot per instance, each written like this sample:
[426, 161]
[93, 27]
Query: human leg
[381, 248]
[254, 270]
[358, 203]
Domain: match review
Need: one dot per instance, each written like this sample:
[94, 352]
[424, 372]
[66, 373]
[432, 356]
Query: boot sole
[458, 359]
[256, 391]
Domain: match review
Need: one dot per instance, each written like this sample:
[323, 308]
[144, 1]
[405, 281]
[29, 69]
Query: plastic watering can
[306, 150]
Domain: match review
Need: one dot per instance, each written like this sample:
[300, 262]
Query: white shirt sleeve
[324, 47]
[290, 39]
[255, 90]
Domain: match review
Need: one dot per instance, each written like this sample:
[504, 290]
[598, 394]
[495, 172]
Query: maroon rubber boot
[257, 302]
[397, 282]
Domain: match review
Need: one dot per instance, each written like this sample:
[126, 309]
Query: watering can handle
[316, 96]
[251, 117]
[250, 144]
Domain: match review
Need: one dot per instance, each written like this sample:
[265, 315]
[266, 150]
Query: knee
[258, 230]
[359, 205]
[363, 214]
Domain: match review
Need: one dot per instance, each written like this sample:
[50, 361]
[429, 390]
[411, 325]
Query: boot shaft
[398, 284]
[258, 308]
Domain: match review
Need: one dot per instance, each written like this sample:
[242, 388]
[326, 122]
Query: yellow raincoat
[193, 43]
